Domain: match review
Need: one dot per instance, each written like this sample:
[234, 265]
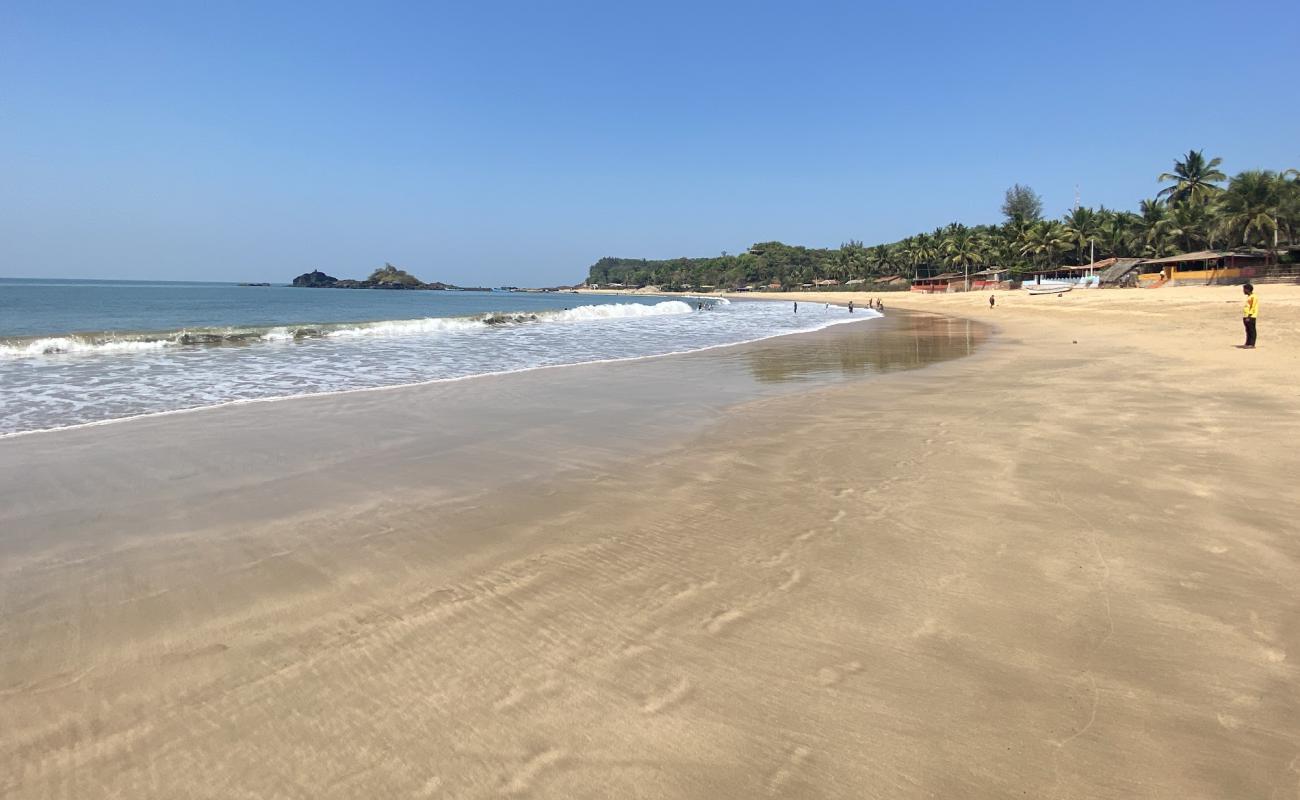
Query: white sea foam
[621, 311]
[399, 327]
[72, 344]
[403, 327]
[152, 376]
[720, 301]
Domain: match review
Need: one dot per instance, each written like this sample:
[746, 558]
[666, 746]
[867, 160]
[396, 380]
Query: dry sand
[1065, 566]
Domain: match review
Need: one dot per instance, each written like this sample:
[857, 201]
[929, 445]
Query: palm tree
[1081, 226]
[1289, 216]
[1190, 225]
[1193, 179]
[963, 248]
[925, 250]
[1153, 229]
[1116, 232]
[1046, 240]
[880, 259]
[1249, 209]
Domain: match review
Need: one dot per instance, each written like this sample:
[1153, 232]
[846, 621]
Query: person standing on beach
[992, 301]
[850, 306]
[1250, 315]
[796, 306]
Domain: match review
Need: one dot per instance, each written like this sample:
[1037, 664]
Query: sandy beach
[1063, 565]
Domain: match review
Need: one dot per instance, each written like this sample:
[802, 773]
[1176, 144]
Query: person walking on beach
[850, 306]
[992, 301]
[1250, 315]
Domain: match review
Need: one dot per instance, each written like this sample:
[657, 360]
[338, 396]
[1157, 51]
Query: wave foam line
[55, 345]
[431, 381]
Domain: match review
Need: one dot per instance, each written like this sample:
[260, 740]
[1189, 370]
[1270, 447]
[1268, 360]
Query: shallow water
[84, 353]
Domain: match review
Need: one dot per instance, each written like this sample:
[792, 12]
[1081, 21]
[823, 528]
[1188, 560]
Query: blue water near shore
[78, 352]
[36, 307]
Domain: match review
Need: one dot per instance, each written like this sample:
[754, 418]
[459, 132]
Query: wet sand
[1047, 569]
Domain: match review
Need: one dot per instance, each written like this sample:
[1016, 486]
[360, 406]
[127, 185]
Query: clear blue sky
[486, 142]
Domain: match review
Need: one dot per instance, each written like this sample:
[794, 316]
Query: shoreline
[1051, 568]
[416, 384]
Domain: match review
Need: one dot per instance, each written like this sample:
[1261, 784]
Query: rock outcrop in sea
[315, 279]
[386, 277]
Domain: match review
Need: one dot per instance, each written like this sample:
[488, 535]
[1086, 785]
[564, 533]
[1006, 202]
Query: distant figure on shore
[850, 306]
[880, 305]
[992, 301]
[796, 306]
[1250, 315]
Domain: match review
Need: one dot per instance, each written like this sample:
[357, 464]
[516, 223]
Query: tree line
[1198, 208]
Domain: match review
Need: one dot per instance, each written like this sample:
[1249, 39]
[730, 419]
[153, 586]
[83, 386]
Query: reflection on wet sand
[902, 340]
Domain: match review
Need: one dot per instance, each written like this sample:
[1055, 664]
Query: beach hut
[945, 282]
[991, 278]
[1084, 274]
[1200, 268]
[1118, 271]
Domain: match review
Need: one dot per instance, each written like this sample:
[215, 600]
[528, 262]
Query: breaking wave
[131, 343]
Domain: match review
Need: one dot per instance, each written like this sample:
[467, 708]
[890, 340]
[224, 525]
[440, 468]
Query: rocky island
[386, 277]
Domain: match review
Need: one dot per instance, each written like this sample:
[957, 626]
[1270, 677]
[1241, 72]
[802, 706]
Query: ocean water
[79, 352]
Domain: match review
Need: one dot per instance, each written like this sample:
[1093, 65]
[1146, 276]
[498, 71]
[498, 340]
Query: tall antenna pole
[1076, 197]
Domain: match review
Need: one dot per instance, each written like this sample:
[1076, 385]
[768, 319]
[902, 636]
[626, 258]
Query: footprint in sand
[829, 676]
[793, 578]
[788, 771]
[519, 694]
[778, 559]
[645, 645]
[719, 621]
[668, 697]
[521, 780]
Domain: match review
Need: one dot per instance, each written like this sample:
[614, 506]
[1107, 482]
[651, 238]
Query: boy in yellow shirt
[1249, 315]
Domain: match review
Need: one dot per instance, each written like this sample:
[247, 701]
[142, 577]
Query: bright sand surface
[1064, 566]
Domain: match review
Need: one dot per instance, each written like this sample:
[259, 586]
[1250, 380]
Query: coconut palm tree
[1190, 225]
[925, 251]
[1046, 240]
[1115, 233]
[1082, 225]
[1193, 179]
[1249, 209]
[1289, 216]
[1153, 229]
[881, 259]
[963, 248]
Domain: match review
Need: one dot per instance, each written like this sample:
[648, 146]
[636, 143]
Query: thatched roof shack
[1201, 267]
[1118, 271]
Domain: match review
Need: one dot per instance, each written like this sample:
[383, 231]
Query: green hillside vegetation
[1193, 211]
[390, 274]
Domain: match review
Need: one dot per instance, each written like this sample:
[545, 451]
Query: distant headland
[386, 277]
